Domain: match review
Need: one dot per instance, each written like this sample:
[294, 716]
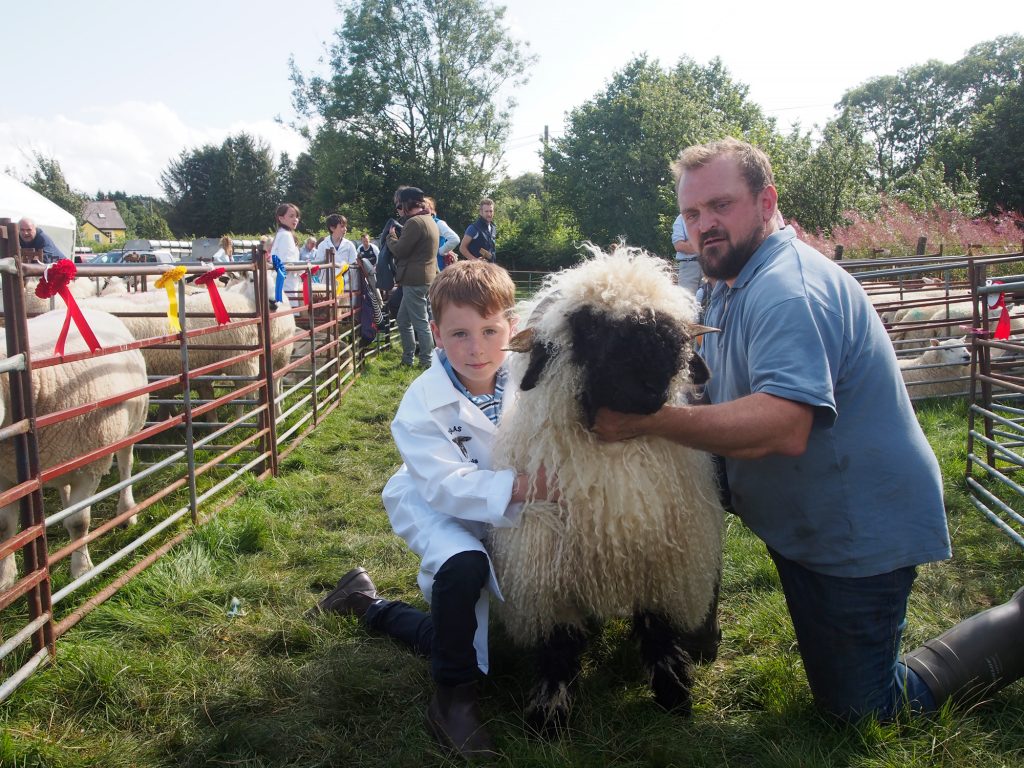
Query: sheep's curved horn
[522, 341]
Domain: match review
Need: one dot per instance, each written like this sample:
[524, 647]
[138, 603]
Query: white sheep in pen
[939, 370]
[68, 385]
[167, 362]
[637, 531]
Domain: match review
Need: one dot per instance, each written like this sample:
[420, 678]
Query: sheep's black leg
[702, 643]
[558, 664]
[670, 666]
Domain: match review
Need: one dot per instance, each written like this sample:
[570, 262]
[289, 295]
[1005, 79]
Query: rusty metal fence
[243, 396]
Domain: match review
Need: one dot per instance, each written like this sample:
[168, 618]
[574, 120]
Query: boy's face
[475, 345]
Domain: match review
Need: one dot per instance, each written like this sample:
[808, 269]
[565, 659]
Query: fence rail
[185, 463]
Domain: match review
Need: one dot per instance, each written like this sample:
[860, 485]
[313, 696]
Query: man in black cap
[413, 244]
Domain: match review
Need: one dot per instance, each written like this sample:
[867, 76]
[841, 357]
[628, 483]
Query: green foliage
[412, 98]
[819, 184]
[48, 180]
[535, 234]
[928, 111]
[611, 167]
[213, 190]
[996, 142]
[926, 188]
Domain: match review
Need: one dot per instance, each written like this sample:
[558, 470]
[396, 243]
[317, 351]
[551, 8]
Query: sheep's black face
[627, 363]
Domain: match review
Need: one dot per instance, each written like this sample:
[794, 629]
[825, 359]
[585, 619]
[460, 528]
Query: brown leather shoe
[353, 595]
[453, 716]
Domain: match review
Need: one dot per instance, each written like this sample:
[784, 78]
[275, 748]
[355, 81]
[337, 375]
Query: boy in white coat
[446, 496]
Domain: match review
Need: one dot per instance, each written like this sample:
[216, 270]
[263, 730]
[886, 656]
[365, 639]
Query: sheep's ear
[539, 356]
[933, 342]
[522, 341]
[699, 373]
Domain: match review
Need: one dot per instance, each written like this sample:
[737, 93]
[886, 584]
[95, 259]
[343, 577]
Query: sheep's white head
[953, 351]
[622, 325]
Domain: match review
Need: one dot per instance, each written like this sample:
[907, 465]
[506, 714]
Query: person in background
[368, 250]
[335, 247]
[31, 236]
[284, 246]
[480, 237]
[225, 252]
[689, 274]
[449, 238]
[306, 253]
[825, 459]
[413, 244]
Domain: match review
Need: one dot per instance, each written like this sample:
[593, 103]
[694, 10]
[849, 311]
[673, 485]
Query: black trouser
[445, 635]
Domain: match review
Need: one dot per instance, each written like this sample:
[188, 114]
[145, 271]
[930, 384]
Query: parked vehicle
[110, 257]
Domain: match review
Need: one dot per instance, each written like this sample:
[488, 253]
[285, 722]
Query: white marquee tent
[18, 201]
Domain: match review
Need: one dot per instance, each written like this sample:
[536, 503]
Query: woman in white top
[285, 247]
[226, 250]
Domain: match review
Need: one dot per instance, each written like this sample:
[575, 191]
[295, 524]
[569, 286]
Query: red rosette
[56, 278]
[305, 282]
[54, 282]
[209, 279]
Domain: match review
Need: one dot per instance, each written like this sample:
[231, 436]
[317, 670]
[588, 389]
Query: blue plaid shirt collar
[489, 404]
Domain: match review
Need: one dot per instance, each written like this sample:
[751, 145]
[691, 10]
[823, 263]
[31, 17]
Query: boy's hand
[545, 490]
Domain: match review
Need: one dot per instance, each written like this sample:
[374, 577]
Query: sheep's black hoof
[671, 680]
[547, 713]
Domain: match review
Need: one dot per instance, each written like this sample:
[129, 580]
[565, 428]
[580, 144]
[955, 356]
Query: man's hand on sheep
[751, 427]
[543, 489]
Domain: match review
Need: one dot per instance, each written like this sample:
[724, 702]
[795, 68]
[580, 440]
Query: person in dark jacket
[413, 244]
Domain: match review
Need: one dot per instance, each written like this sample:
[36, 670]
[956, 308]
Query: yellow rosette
[169, 282]
[339, 281]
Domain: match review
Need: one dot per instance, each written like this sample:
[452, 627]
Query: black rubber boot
[453, 716]
[975, 658]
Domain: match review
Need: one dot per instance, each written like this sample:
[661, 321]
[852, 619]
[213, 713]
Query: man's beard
[728, 266]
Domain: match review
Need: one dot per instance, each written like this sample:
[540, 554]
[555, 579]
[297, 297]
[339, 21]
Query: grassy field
[161, 675]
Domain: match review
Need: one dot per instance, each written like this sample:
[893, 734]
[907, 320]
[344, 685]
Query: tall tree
[819, 184]
[231, 188]
[996, 142]
[611, 165]
[415, 86]
[47, 178]
[917, 114]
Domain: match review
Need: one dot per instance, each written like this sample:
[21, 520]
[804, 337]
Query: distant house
[103, 223]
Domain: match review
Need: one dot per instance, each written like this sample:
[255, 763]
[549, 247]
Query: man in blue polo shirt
[479, 240]
[33, 237]
[824, 456]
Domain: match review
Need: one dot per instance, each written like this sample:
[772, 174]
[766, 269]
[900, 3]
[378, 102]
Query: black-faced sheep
[637, 530]
[68, 385]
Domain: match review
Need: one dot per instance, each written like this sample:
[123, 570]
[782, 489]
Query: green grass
[161, 676]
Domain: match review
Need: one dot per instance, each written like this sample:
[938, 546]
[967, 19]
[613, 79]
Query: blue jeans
[849, 630]
[445, 635]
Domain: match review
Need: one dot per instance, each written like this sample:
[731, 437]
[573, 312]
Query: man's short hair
[486, 201]
[335, 219]
[482, 285]
[755, 167]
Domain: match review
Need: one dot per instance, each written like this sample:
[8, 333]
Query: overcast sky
[115, 89]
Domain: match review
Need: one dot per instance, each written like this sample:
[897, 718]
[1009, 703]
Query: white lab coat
[446, 496]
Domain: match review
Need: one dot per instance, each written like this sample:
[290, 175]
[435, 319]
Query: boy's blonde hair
[482, 285]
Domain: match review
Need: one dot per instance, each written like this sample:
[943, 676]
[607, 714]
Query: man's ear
[768, 202]
[436, 333]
